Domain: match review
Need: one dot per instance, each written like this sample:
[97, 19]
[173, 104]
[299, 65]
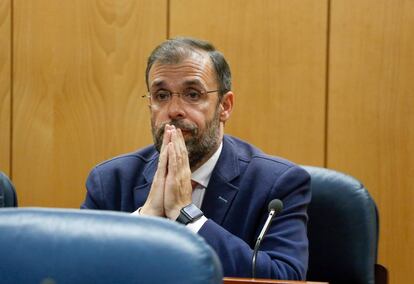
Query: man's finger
[172, 160]
[167, 136]
[177, 146]
[183, 148]
[162, 163]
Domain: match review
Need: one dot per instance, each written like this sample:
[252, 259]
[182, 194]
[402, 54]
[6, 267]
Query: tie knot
[193, 184]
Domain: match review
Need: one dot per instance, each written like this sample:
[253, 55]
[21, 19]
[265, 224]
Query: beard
[199, 144]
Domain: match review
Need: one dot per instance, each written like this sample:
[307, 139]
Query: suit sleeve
[94, 194]
[283, 253]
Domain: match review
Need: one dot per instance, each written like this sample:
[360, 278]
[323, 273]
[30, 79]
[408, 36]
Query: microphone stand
[259, 240]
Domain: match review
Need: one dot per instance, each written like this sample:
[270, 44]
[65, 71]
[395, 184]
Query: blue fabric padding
[342, 229]
[86, 246]
[8, 197]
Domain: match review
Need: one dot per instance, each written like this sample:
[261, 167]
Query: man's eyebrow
[157, 83]
[193, 82]
[190, 82]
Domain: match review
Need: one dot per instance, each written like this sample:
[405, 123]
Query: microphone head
[276, 205]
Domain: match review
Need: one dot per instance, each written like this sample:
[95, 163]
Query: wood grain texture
[371, 115]
[277, 52]
[5, 92]
[79, 77]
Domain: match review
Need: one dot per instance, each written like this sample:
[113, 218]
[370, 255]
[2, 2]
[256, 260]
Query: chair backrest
[342, 229]
[85, 246]
[8, 197]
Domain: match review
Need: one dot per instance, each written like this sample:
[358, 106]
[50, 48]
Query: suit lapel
[141, 191]
[220, 192]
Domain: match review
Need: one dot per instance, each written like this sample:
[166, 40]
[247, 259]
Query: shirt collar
[202, 174]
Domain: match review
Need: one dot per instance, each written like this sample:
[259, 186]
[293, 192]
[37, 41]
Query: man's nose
[176, 107]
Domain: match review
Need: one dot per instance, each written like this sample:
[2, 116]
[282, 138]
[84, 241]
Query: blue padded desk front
[83, 246]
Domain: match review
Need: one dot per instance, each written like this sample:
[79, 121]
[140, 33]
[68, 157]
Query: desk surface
[230, 280]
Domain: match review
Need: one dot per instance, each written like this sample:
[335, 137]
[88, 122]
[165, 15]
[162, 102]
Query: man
[190, 100]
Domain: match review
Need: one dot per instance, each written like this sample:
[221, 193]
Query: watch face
[189, 214]
[193, 211]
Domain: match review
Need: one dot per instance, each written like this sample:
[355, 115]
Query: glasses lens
[160, 97]
[192, 96]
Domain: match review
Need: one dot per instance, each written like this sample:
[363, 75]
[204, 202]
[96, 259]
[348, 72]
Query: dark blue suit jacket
[242, 184]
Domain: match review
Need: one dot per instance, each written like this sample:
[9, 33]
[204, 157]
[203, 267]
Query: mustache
[178, 123]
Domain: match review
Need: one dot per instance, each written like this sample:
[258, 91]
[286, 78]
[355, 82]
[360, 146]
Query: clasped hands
[171, 188]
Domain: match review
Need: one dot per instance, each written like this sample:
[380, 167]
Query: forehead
[194, 70]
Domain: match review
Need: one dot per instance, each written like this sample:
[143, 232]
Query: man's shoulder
[128, 160]
[248, 153]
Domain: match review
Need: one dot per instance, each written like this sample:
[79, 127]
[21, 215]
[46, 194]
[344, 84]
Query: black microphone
[275, 207]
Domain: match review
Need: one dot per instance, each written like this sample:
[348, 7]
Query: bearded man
[216, 185]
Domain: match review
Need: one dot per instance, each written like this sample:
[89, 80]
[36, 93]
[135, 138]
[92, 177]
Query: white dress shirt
[202, 176]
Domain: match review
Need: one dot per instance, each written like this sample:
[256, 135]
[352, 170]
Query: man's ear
[226, 106]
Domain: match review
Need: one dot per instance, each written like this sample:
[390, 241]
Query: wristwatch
[189, 214]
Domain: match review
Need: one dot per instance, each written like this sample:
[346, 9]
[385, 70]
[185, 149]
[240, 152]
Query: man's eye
[192, 95]
[162, 96]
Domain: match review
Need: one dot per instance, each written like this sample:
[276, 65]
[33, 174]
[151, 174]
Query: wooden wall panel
[277, 52]
[79, 77]
[371, 115]
[5, 93]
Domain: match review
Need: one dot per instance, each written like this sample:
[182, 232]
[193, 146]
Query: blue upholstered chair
[82, 246]
[342, 230]
[8, 197]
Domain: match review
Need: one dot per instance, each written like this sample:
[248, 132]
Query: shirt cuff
[196, 226]
[137, 212]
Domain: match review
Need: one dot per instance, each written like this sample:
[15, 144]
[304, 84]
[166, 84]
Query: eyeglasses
[189, 96]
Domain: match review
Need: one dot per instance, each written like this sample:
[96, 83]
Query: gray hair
[173, 51]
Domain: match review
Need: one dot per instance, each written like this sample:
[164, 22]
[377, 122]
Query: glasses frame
[178, 94]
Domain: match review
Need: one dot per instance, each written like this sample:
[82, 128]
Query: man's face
[200, 123]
